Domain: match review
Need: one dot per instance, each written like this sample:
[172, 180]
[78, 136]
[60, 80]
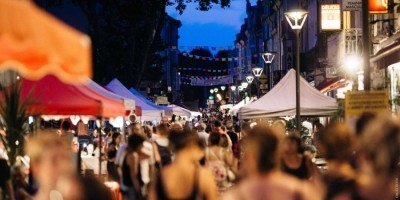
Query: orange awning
[35, 44]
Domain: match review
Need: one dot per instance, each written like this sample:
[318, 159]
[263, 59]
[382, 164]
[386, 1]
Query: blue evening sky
[215, 28]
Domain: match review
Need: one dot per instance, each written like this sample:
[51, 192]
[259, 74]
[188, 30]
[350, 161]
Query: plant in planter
[13, 110]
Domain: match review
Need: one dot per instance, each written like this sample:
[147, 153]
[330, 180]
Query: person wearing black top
[131, 176]
[293, 160]
[111, 153]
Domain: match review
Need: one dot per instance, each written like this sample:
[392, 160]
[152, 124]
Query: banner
[223, 81]
[330, 17]
[352, 5]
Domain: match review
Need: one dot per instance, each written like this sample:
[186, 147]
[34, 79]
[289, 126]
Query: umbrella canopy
[49, 96]
[35, 44]
[179, 111]
[281, 101]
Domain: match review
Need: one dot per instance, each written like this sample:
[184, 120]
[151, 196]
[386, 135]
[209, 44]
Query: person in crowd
[280, 127]
[224, 143]
[379, 155]
[131, 170]
[184, 178]
[66, 132]
[336, 145]
[162, 143]
[202, 134]
[221, 162]
[294, 162]
[217, 127]
[5, 171]
[111, 153]
[264, 180]
[148, 131]
[176, 127]
[317, 129]
[22, 190]
[54, 167]
[311, 152]
[239, 148]
[232, 135]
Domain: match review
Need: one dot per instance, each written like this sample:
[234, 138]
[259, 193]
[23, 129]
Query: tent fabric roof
[149, 112]
[49, 96]
[139, 95]
[281, 101]
[237, 106]
[128, 103]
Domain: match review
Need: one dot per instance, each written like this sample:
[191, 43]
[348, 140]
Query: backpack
[165, 155]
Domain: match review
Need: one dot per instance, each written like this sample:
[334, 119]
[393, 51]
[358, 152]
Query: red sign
[378, 6]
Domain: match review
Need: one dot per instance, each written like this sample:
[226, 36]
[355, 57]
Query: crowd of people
[215, 159]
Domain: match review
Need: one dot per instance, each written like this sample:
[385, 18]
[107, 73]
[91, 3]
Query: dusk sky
[216, 27]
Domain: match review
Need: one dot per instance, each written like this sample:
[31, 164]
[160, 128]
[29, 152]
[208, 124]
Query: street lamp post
[296, 21]
[257, 73]
[233, 88]
[249, 79]
[268, 58]
[244, 88]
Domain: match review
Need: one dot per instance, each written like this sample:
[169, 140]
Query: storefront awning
[387, 55]
[331, 84]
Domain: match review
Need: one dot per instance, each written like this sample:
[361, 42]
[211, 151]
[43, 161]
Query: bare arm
[133, 162]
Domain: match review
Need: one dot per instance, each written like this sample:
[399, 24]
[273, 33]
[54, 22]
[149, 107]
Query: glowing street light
[223, 87]
[352, 63]
[296, 21]
[268, 58]
[249, 78]
[211, 91]
[257, 71]
[244, 85]
[215, 90]
[233, 88]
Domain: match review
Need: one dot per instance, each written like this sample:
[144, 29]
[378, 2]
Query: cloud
[232, 16]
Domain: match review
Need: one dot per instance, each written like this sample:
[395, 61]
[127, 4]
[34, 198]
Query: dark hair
[162, 129]
[134, 141]
[264, 142]
[180, 139]
[223, 141]
[294, 137]
[114, 137]
[65, 125]
[363, 121]
[337, 142]
[214, 138]
[217, 123]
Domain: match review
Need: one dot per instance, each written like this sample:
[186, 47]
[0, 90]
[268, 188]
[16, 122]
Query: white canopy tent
[179, 111]
[236, 107]
[281, 101]
[128, 103]
[149, 112]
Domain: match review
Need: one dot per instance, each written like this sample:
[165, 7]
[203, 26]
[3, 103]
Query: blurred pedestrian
[379, 155]
[294, 162]
[162, 143]
[111, 153]
[202, 134]
[220, 161]
[5, 171]
[131, 171]
[264, 180]
[22, 190]
[53, 165]
[184, 178]
[336, 145]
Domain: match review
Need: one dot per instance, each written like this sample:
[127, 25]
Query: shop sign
[330, 17]
[378, 6]
[351, 5]
[357, 102]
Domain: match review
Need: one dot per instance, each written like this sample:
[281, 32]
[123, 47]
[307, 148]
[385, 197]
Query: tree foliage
[125, 34]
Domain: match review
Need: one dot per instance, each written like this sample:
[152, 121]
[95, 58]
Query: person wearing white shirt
[202, 134]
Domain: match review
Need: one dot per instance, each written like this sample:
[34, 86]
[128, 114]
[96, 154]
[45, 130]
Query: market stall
[281, 101]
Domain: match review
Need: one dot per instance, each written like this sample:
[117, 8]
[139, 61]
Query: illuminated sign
[378, 6]
[330, 17]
